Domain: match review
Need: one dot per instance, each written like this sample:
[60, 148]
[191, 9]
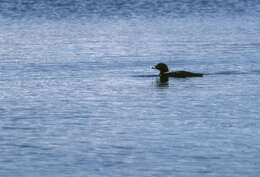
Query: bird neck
[163, 72]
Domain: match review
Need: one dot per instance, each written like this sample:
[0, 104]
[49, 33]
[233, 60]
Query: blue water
[78, 96]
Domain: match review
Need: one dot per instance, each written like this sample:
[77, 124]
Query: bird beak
[153, 67]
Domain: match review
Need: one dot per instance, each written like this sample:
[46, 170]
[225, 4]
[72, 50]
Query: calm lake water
[78, 96]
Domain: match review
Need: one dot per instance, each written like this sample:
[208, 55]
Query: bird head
[163, 68]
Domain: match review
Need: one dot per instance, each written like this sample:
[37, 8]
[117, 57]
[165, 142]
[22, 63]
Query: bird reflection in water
[162, 81]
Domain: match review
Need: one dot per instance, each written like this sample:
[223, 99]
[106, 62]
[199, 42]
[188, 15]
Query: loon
[164, 72]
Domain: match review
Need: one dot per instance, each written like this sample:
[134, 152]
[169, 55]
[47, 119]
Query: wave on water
[151, 75]
[58, 9]
[216, 73]
[233, 73]
[256, 71]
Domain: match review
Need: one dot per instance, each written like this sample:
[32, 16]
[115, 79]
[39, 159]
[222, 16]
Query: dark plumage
[164, 72]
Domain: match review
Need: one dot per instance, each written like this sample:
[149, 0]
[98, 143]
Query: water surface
[78, 96]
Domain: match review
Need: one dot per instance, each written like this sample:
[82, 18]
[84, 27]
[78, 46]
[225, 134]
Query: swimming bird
[164, 72]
